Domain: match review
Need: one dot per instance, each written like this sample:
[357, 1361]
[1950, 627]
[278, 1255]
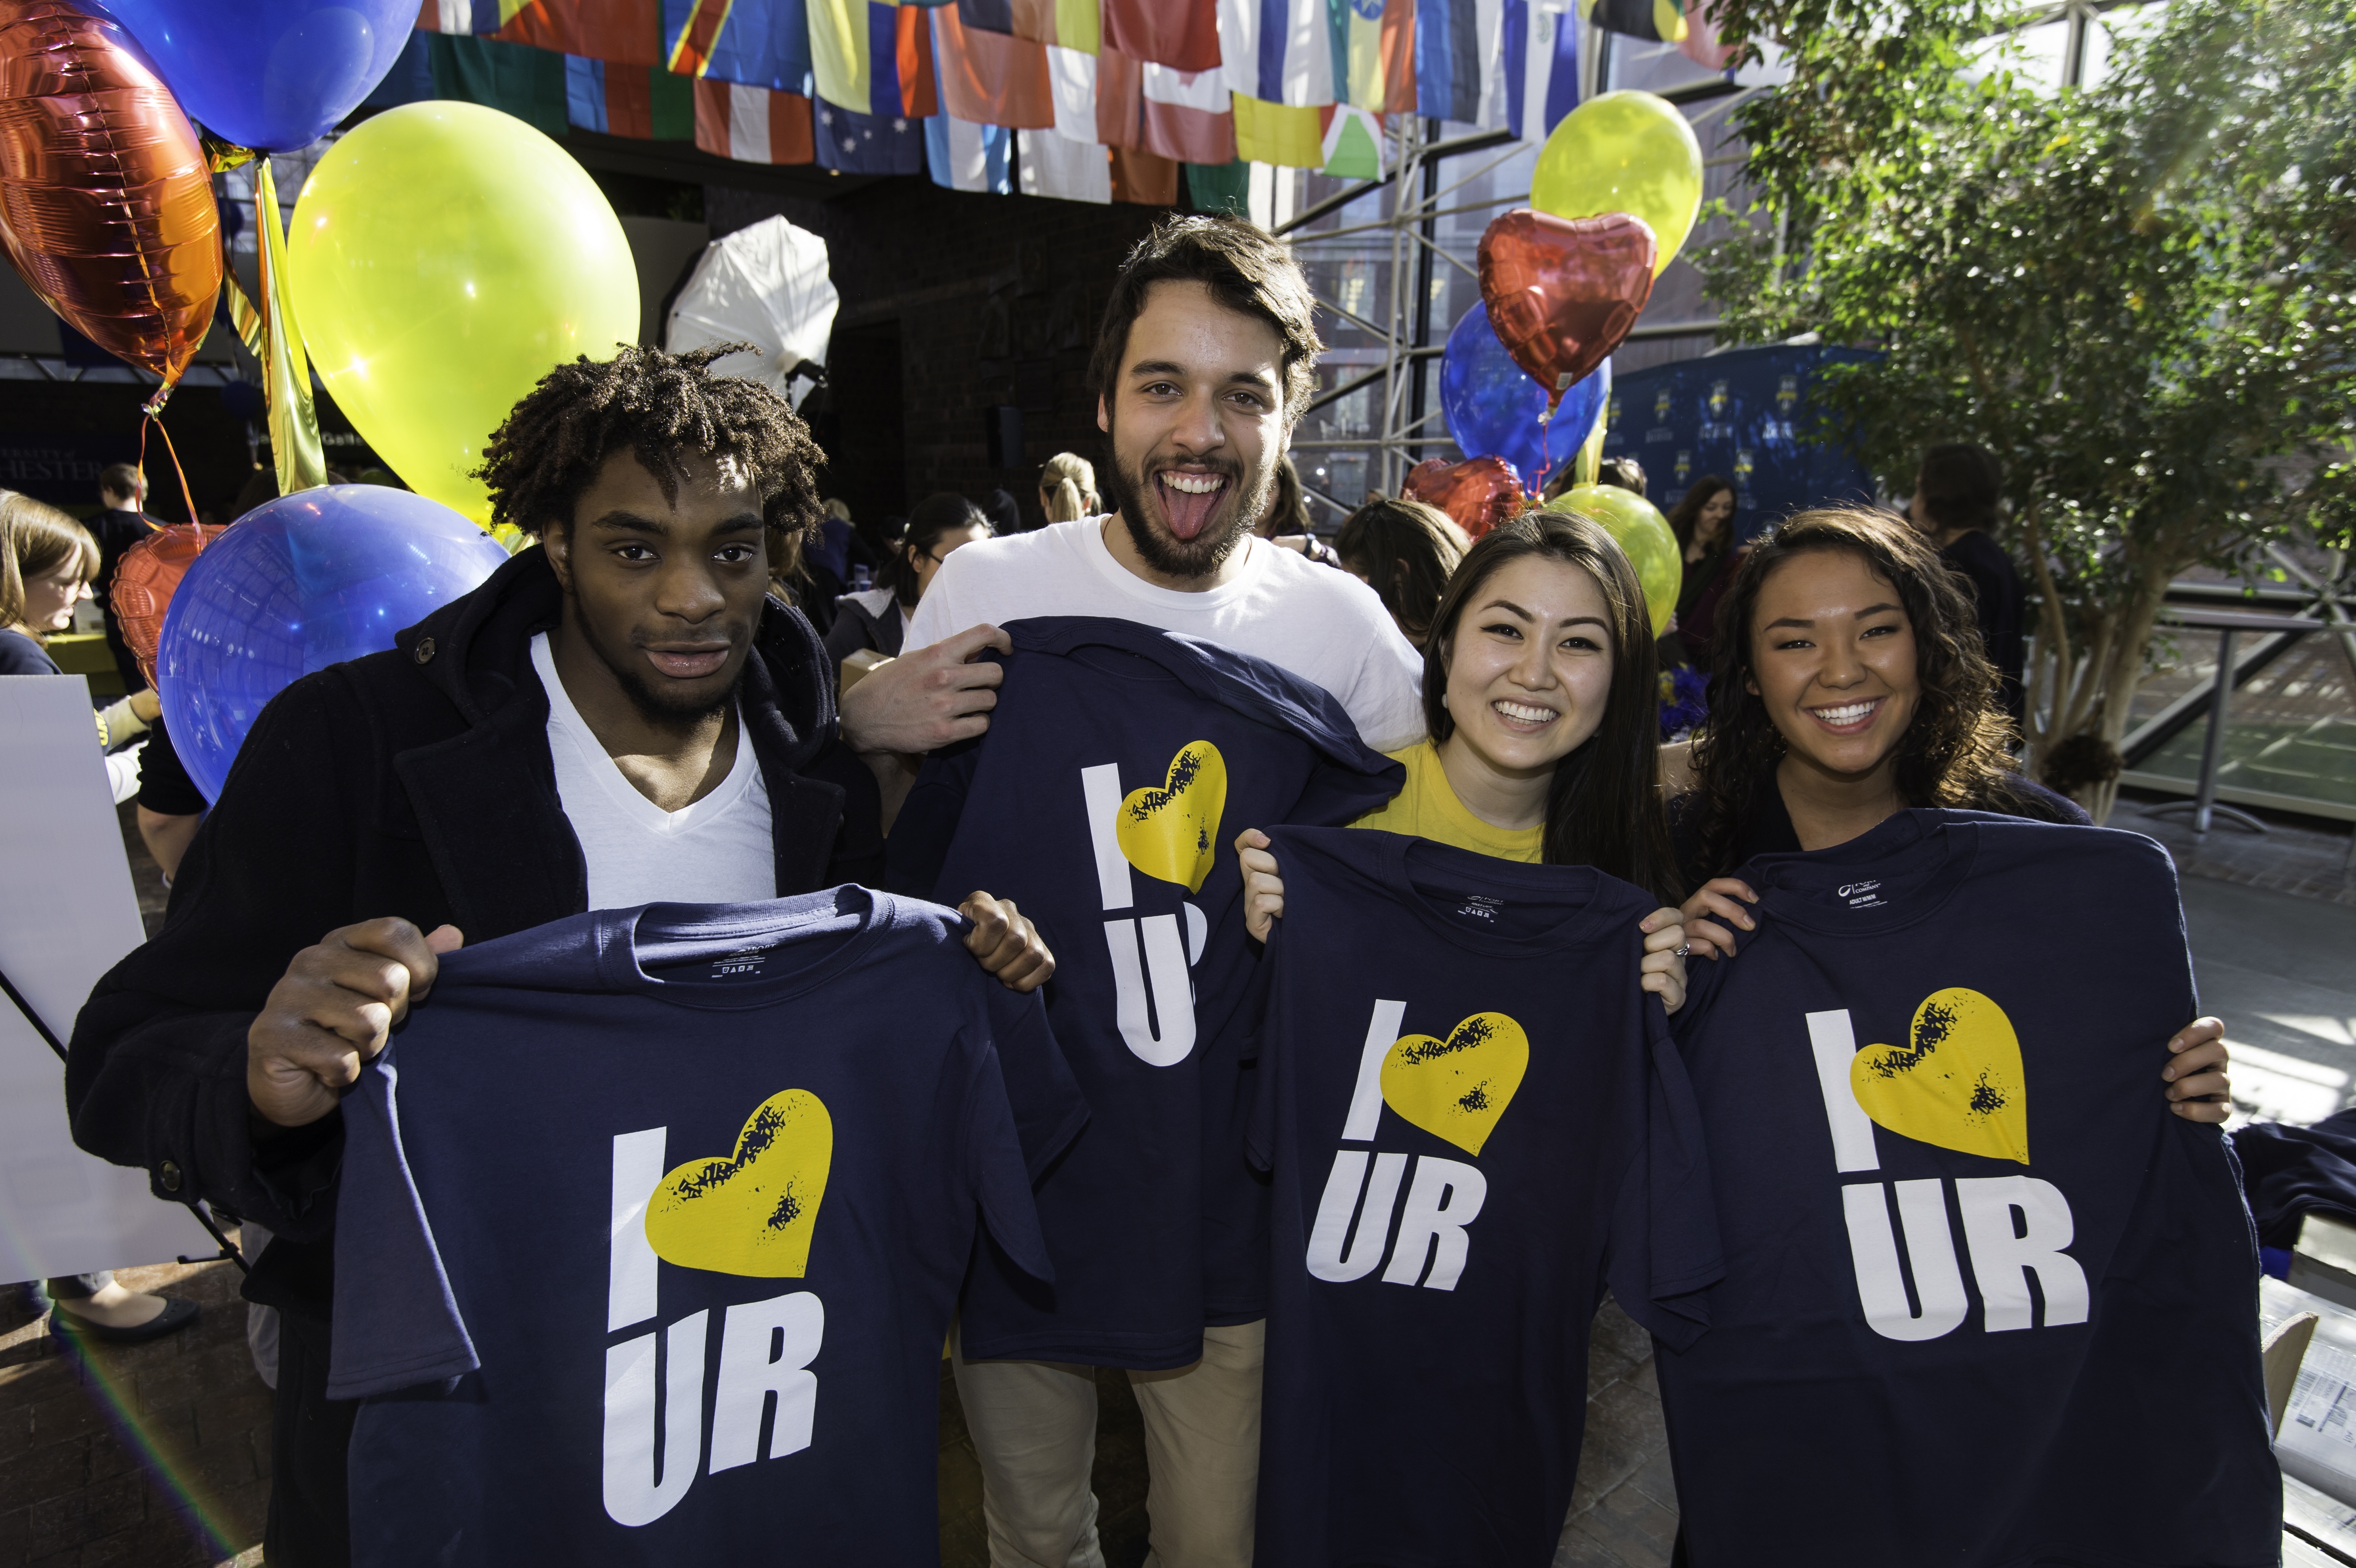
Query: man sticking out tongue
[1205, 358]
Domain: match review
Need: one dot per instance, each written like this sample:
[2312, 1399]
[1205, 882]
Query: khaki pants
[1035, 1427]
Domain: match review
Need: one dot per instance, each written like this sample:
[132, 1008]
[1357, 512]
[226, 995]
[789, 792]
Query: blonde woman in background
[46, 563]
[1067, 488]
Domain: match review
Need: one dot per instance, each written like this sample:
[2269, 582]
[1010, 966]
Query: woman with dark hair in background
[1538, 692]
[1957, 493]
[1405, 552]
[1286, 521]
[878, 618]
[1703, 521]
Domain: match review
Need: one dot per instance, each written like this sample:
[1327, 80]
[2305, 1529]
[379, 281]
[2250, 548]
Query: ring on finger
[1684, 948]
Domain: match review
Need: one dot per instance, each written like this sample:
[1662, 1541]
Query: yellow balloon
[1624, 152]
[445, 257]
[1643, 533]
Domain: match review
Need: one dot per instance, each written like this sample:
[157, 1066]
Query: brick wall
[995, 300]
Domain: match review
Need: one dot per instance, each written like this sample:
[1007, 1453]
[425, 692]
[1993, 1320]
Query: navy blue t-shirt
[1988, 1301]
[1476, 1121]
[650, 1228]
[1119, 765]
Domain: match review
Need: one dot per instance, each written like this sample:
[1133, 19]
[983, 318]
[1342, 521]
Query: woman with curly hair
[1849, 682]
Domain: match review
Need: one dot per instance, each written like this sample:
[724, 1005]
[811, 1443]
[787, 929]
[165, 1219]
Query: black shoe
[176, 1315]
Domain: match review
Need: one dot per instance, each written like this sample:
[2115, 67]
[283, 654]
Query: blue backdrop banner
[1743, 416]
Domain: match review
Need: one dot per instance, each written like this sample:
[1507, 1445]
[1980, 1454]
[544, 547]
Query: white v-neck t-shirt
[717, 850]
[1312, 620]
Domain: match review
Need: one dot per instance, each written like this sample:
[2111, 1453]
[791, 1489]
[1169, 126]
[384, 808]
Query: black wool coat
[414, 783]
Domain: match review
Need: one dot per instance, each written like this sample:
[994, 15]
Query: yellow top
[1428, 808]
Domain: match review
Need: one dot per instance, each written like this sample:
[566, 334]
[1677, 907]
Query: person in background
[1956, 492]
[1625, 472]
[1285, 523]
[170, 808]
[879, 538]
[1067, 488]
[123, 491]
[47, 562]
[878, 618]
[1703, 522]
[1405, 552]
[818, 579]
[1005, 512]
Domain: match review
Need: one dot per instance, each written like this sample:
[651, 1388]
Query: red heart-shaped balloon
[1478, 493]
[1563, 291]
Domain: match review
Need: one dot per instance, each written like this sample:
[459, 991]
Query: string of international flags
[1082, 100]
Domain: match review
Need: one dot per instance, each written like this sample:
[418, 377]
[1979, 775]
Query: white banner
[68, 915]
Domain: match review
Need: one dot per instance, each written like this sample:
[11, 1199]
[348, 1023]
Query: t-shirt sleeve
[1663, 1251]
[396, 1323]
[1386, 702]
[991, 1164]
[1048, 1109]
[917, 847]
[1255, 1044]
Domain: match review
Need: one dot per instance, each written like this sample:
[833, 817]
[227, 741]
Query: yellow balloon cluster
[1624, 152]
[1640, 530]
[444, 258]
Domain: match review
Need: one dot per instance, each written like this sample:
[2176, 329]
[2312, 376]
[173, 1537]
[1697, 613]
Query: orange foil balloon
[106, 204]
[1478, 493]
[143, 582]
[1563, 291]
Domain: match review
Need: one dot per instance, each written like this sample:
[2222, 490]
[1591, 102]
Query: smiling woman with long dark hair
[1539, 685]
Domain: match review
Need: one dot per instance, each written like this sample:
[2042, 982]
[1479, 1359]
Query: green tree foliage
[2139, 295]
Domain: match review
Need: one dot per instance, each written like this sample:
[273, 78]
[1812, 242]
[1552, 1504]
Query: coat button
[425, 650]
[168, 1176]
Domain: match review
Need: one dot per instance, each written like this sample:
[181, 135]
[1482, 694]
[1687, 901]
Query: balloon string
[180, 472]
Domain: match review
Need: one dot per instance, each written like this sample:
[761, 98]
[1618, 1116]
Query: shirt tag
[1475, 907]
[1863, 895]
[745, 964]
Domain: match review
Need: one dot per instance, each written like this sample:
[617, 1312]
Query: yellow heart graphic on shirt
[1458, 1087]
[1957, 1084]
[751, 1214]
[1172, 830]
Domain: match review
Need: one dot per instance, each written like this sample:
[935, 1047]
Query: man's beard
[661, 708]
[1164, 551]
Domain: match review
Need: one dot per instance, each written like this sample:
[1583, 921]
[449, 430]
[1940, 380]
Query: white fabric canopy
[767, 286]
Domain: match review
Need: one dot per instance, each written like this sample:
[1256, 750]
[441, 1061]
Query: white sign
[69, 913]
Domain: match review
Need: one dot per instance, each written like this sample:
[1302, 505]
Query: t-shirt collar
[1099, 555]
[1899, 873]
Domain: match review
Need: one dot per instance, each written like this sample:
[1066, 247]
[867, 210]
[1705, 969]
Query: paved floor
[151, 1455]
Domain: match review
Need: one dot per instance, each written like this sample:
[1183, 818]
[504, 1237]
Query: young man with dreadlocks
[620, 715]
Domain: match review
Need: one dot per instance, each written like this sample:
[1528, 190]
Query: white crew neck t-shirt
[717, 850]
[1320, 625]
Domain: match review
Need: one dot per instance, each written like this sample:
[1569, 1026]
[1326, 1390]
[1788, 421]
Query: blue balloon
[274, 75]
[1492, 408]
[306, 580]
